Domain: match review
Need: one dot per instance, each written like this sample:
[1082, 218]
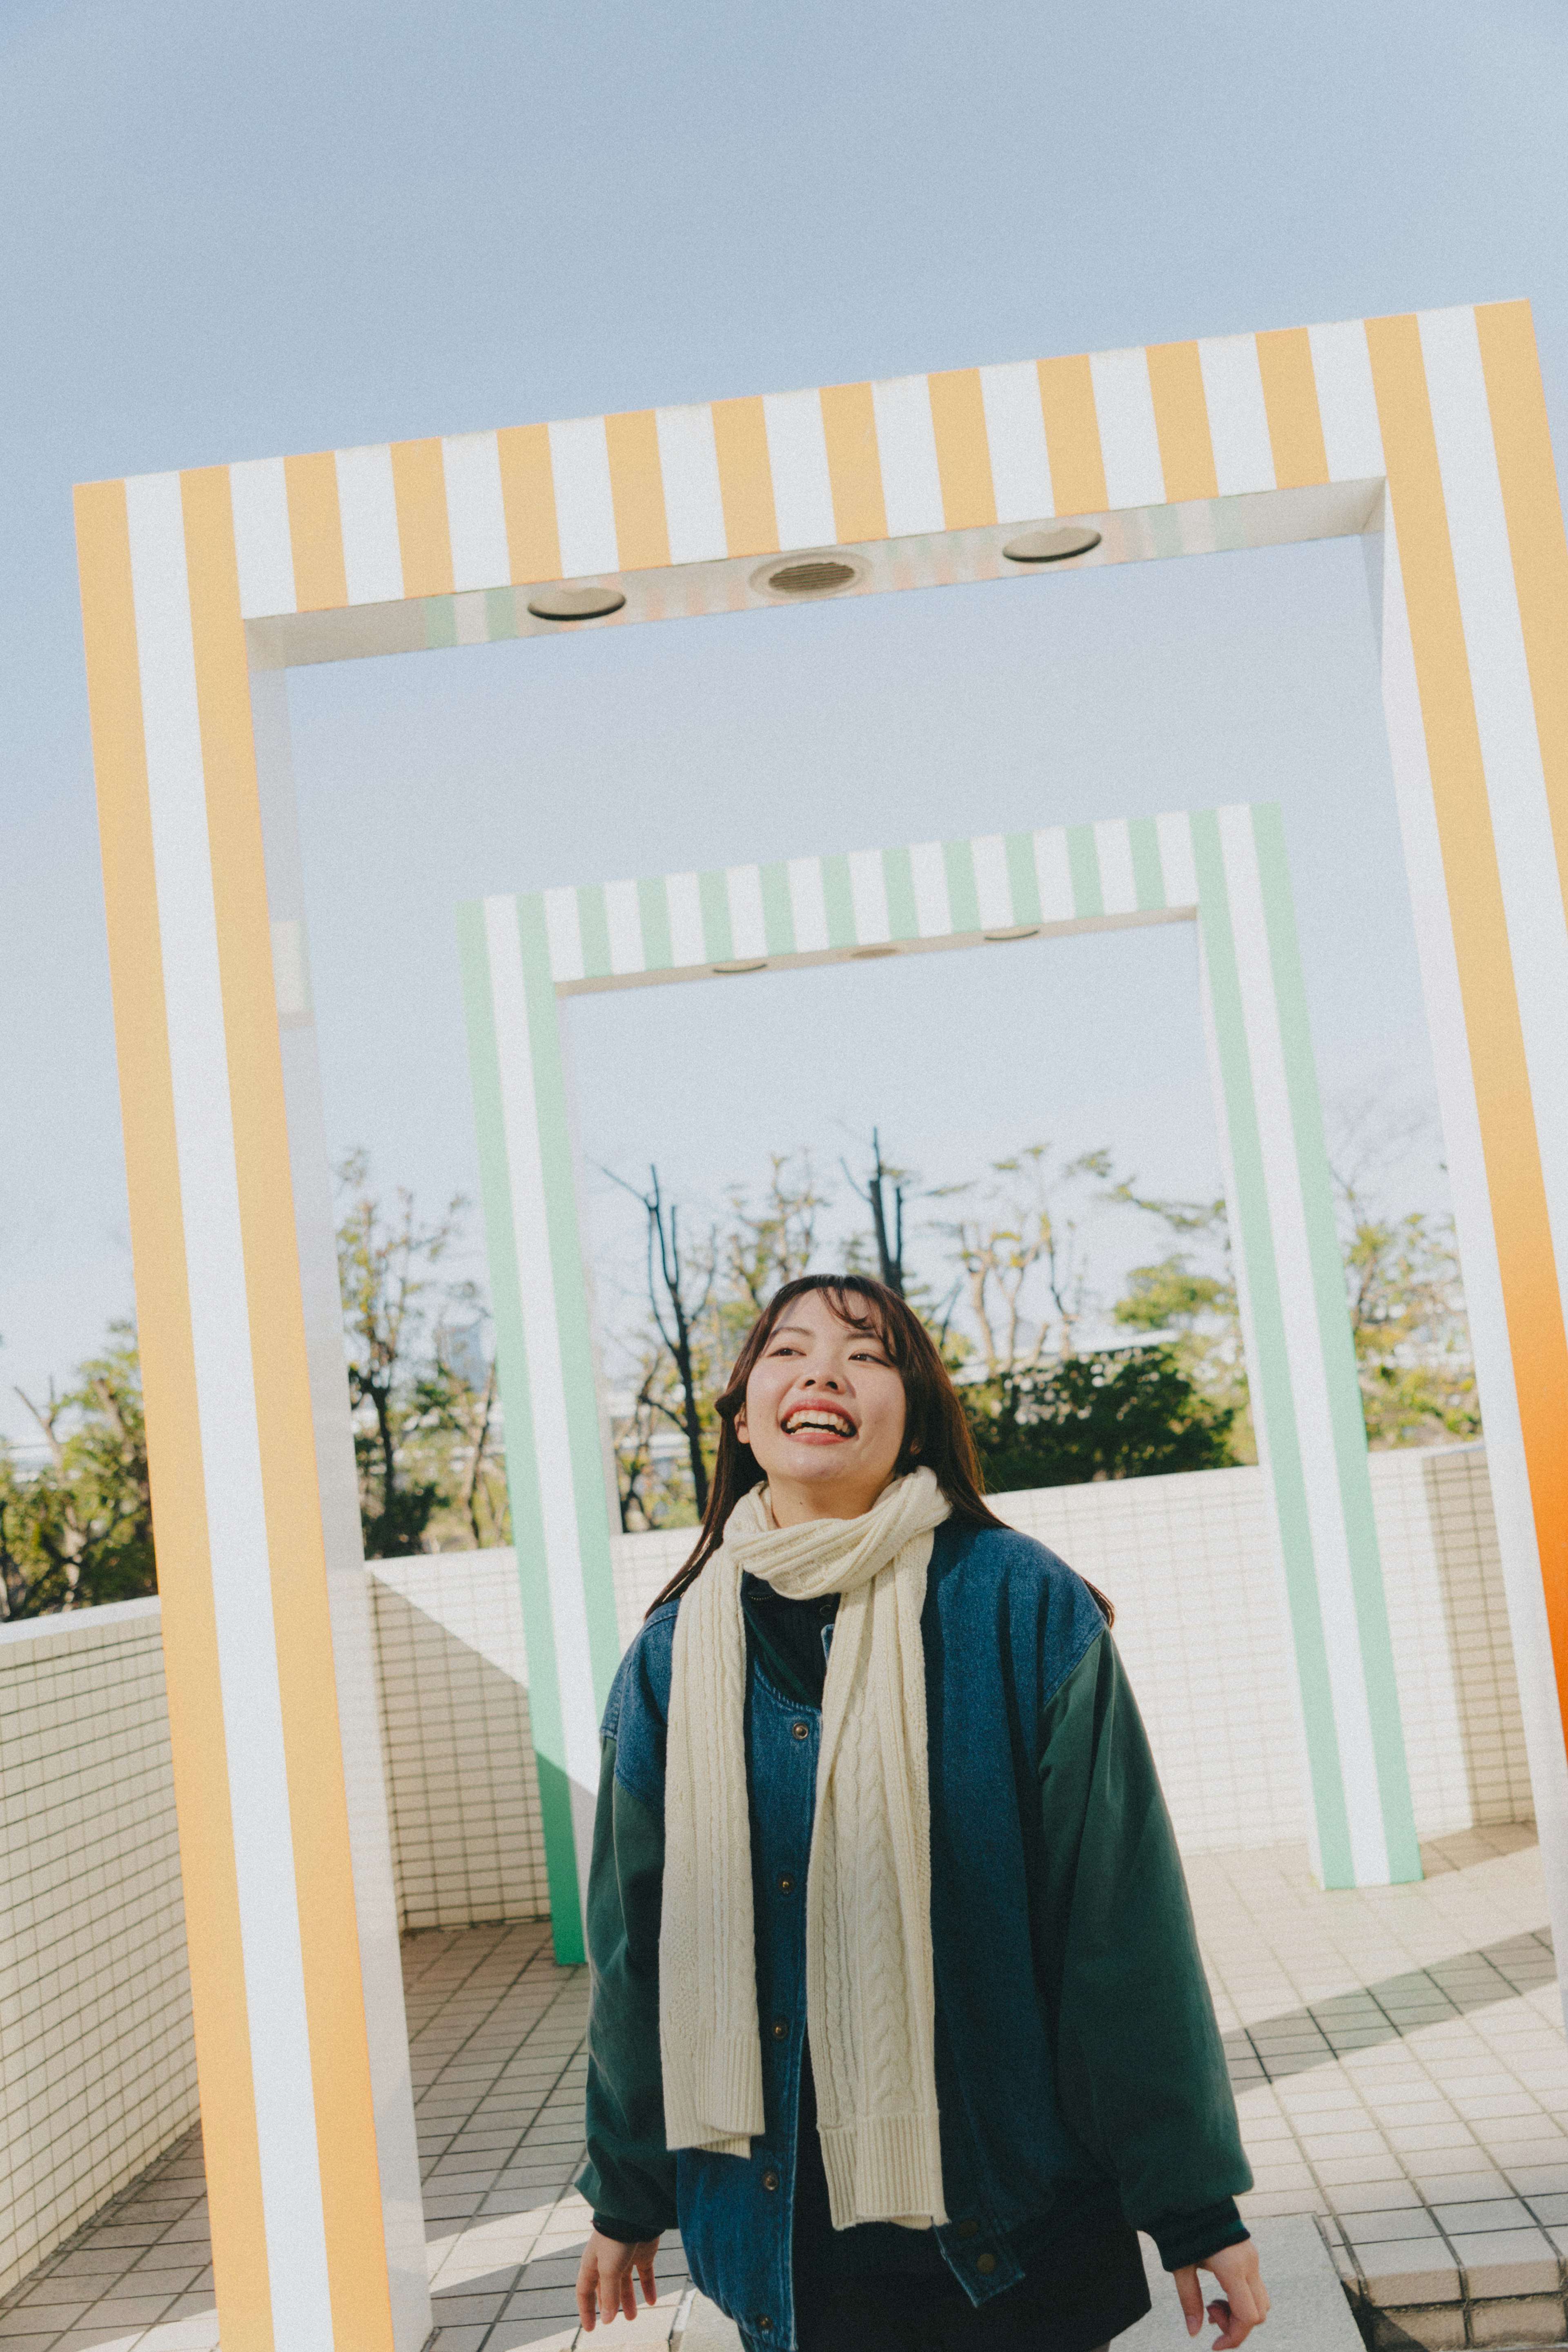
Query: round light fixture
[1018, 931]
[728, 970]
[1052, 546]
[575, 603]
[863, 955]
[819, 572]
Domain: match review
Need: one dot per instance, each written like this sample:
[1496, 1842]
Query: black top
[1085, 2223]
[787, 1637]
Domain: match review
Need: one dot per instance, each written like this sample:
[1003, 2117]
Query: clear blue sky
[232, 233]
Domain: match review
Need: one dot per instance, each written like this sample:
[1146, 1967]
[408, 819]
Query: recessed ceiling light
[1018, 931]
[863, 955]
[1052, 546]
[575, 603]
[727, 969]
[819, 572]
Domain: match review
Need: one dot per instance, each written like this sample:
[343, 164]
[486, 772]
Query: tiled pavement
[1401, 2070]
[496, 2034]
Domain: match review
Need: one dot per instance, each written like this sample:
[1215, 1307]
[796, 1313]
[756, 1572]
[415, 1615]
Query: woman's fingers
[1235, 2326]
[1185, 2284]
[588, 2288]
[607, 2279]
[1237, 2316]
[1246, 2303]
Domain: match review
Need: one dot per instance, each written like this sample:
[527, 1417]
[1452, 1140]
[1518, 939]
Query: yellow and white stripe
[1431, 430]
[972, 451]
[299, 2246]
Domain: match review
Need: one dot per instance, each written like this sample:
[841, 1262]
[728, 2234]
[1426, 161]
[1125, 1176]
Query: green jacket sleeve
[630, 2176]
[1140, 2066]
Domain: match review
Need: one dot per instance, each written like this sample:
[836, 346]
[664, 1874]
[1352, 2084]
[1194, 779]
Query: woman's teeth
[834, 1424]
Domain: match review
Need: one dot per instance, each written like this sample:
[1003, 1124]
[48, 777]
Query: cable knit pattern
[870, 1982]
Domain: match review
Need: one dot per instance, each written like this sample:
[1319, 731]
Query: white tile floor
[496, 2034]
[1437, 2153]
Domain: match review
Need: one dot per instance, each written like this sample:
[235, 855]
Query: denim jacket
[1075, 2037]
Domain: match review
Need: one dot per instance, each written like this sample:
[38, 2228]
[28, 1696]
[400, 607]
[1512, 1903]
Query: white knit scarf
[869, 1983]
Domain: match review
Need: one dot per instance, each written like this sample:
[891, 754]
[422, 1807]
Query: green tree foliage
[884, 1193]
[677, 1299]
[1402, 1280]
[1046, 1410]
[77, 1531]
[765, 1241]
[1016, 1246]
[76, 1528]
[674, 1366]
[426, 1443]
[1402, 1276]
[1128, 1414]
[457, 1436]
[1412, 1335]
[1190, 1294]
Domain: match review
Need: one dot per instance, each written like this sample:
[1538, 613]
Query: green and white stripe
[555, 1459]
[934, 894]
[1301, 1358]
[1224, 869]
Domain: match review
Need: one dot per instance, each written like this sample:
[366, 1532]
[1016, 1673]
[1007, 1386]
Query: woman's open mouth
[819, 1423]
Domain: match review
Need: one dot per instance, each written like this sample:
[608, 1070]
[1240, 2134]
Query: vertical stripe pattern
[1444, 411]
[654, 489]
[1471, 725]
[554, 1465]
[1226, 870]
[270, 1952]
[193, 1659]
[300, 2244]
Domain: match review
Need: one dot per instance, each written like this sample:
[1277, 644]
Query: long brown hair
[935, 1427]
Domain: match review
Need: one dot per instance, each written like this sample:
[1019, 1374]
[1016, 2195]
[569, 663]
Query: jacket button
[985, 2264]
[968, 2229]
[786, 1886]
[764, 2322]
[770, 2180]
[779, 2029]
[802, 1730]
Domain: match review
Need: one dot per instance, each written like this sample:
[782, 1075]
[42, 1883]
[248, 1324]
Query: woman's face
[823, 1414]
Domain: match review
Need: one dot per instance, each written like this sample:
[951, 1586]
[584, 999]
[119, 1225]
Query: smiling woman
[873, 2126]
[838, 1388]
[823, 1411]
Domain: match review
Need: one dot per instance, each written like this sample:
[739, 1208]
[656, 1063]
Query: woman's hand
[604, 2278]
[1245, 2303]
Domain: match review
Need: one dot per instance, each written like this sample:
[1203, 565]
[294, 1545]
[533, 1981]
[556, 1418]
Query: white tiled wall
[98, 2073]
[1190, 1564]
[1458, 1693]
[462, 1790]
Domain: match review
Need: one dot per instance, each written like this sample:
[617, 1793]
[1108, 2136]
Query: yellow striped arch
[282, 2034]
[1427, 432]
[963, 450]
